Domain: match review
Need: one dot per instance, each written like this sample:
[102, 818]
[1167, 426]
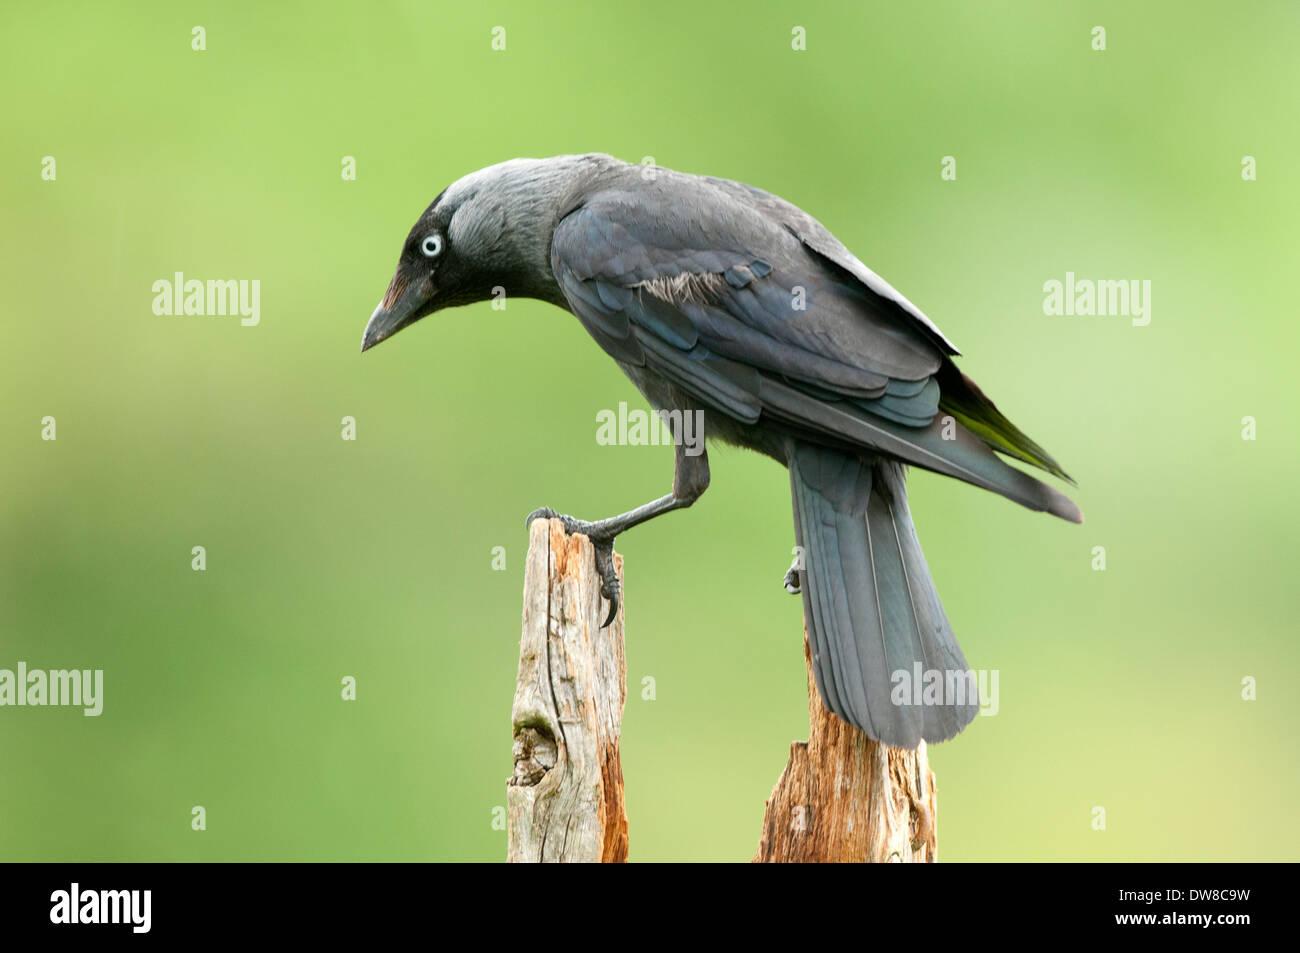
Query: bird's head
[485, 236]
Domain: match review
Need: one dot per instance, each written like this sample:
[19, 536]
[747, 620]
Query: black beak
[380, 326]
[402, 305]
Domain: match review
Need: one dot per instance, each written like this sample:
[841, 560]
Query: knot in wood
[535, 754]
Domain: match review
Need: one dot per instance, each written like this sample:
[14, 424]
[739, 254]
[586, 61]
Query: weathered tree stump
[844, 797]
[565, 800]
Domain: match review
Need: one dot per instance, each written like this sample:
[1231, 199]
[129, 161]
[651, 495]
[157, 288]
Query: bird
[720, 299]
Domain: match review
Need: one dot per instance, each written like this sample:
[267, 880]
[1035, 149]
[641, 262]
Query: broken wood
[565, 799]
[844, 797]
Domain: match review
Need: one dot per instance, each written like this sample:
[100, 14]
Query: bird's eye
[431, 247]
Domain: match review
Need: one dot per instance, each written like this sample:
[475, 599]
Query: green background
[373, 558]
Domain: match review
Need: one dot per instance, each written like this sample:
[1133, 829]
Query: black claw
[604, 547]
[541, 513]
[609, 587]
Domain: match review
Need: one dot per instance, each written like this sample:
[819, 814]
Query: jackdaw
[718, 297]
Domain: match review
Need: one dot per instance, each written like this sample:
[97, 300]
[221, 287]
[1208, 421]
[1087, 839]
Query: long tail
[871, 608]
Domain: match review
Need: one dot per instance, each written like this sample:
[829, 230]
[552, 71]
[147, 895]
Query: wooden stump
[844, 797]
[565, 800]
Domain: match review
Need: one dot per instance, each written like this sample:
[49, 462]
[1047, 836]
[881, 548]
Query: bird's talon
[613, 611]
[541, 513]
[572, 526]
[609, 585]
[604, 547]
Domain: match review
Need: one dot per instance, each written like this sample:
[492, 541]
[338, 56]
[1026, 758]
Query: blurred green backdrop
[325, 558]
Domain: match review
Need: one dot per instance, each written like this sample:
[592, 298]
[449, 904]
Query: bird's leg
[690, 480]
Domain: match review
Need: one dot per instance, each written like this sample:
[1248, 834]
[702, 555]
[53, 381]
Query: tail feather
[871, 608]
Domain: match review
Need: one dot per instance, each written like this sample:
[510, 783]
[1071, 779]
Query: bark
[565, 799]
[844, 797]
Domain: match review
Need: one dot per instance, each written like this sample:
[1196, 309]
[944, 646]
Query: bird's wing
[705, 270]
[732, 305]
[819, 239]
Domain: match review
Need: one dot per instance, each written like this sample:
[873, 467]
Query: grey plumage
[715, 295]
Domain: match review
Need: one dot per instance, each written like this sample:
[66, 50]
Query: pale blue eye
[431, 247]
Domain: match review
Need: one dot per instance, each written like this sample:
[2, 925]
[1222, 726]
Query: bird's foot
[791, 581]
[603, 543]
